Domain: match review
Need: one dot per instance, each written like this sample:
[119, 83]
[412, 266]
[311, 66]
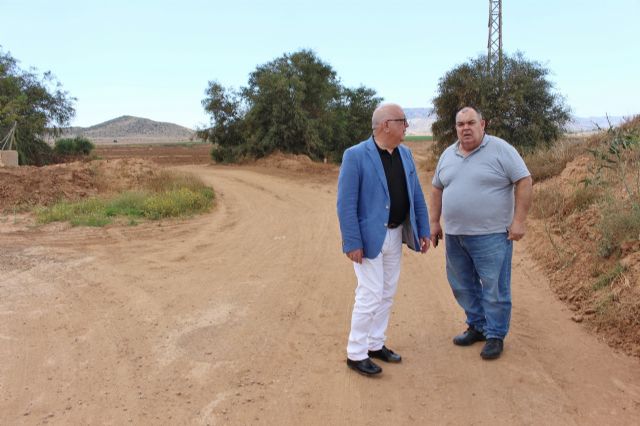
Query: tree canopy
[293, 104]
[38, 106]
[519, 104]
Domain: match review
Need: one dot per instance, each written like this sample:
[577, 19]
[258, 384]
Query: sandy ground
[240, 316]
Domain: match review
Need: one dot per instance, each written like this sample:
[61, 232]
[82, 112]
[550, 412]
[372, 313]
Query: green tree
[520, 104]
[37, 104]
[294, 104]
[228, 132]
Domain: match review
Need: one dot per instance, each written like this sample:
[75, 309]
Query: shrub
[73, 146]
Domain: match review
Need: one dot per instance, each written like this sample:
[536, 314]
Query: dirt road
[241, 316]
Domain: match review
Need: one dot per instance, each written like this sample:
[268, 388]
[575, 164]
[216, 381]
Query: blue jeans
[479, 272]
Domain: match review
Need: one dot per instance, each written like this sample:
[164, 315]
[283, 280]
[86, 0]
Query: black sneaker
[492, 349]
[469, 337]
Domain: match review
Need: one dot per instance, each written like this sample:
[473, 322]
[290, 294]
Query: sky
[154, 59]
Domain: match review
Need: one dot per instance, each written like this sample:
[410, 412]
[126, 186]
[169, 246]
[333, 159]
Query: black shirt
[397, 184]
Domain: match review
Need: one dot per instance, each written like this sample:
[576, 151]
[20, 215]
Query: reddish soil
[240, 316]
[158, 153]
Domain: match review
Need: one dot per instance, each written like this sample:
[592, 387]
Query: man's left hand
[517, 230]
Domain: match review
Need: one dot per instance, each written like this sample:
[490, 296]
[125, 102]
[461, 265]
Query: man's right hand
[355, 255]
[436, 233]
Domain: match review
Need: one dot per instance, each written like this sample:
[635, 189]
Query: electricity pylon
[494, 44]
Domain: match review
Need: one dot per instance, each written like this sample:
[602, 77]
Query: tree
[294, 104]
[519, 105]
[228, 132]
[38, 106]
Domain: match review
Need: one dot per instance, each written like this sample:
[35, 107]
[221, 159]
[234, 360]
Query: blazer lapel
[372, 150]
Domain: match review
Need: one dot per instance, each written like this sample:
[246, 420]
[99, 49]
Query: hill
[129, 129]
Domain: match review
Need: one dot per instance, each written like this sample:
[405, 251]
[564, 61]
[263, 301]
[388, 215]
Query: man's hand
[436, 233]
[517, 230]
[424, 244]
[355, 255]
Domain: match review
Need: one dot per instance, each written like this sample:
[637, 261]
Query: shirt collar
[485, 141]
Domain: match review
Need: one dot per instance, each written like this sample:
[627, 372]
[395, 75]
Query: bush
[519, 104]
[73, 146]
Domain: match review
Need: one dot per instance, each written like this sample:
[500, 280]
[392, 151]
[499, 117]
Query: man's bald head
[384, 112]
[389, 125]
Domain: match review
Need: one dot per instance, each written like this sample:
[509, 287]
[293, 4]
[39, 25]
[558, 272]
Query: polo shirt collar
[485, 141]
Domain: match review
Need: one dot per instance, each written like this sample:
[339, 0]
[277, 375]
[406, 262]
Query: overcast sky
[153, 59]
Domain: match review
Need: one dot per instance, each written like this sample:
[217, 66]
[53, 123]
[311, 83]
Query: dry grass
[544, 163]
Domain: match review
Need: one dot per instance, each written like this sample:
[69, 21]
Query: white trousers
[377, 284]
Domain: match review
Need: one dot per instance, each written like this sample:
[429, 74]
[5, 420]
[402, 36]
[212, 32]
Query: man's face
[397, 125]
[470, 129]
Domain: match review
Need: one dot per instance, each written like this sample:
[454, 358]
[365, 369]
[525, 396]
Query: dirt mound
[27, 185]
[280, 163]
[603, 293]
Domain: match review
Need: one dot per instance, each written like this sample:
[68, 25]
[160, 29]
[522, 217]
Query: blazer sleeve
[348, 193]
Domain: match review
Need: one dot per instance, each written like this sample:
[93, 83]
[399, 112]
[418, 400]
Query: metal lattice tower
[494, 45]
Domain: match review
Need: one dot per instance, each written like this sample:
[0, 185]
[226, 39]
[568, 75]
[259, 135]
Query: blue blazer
[363, 200]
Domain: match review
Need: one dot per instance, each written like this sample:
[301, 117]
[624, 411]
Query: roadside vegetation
[294, 104]
[518, 102]
[586, 228]
[159, 196]
[32, 108]
[73, 147]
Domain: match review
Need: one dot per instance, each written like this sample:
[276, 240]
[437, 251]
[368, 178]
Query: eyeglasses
[406, 123]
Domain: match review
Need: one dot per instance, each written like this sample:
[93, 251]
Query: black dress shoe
[385, 354]
[469, 337]
[365, 366]
[492, 349]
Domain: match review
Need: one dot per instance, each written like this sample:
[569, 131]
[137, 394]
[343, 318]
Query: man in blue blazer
[380, 206]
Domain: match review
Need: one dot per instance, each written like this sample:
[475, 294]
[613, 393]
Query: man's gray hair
[472, 108]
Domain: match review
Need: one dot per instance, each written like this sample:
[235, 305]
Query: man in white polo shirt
[483, 189]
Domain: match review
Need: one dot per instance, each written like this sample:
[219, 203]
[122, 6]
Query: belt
[393, 225]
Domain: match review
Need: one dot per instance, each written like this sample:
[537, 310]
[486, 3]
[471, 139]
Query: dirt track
[241, 317]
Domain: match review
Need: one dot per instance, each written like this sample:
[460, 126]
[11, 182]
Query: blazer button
[385, 225]
[386, 207]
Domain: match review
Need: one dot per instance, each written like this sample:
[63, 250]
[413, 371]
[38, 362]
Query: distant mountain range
[421, 119]
[129, 129]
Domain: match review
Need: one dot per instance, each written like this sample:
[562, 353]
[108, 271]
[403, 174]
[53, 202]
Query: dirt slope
[241, 317]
